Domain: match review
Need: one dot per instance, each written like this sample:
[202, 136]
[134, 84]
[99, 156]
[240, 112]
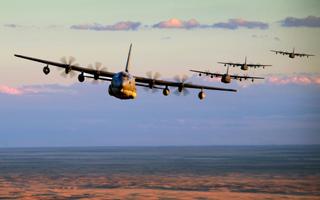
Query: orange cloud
[177, 24]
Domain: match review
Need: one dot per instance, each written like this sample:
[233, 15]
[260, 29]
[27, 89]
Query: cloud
[276, 38]
[11, 25]
[4, 89]
[120, 26]
[194, 24]
[241, 23]
[35, 89]
[300, 79]
[264, 36]
[172, 23]
[177, 24]
[310, 21]
[20, 26]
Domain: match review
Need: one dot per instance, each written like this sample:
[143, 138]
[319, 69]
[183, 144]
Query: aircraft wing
[281, 52]
[207, 73]
[157, 82]
[257, 65]
[69, 66]
[231, 64]
[245, 77]
[303, 54]
[232, 76]
[104, 75]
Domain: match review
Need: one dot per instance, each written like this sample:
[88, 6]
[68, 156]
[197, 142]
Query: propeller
[152, 76]
[97, 68]
[68, 70]
[181, 89]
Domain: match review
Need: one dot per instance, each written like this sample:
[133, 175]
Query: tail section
[293, 50]
[228, 70]
[245, 60]
[128, 59]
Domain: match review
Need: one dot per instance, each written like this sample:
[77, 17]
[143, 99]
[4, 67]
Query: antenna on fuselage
[128, 59]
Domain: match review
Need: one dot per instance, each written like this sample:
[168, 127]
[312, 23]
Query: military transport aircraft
[292, 54]
[226, 78]
[244, 66]
[123, 84]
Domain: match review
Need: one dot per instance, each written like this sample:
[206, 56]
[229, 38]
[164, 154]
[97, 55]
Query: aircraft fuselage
[123, 86]
[226, 78]
[244, 67]
[291, 55]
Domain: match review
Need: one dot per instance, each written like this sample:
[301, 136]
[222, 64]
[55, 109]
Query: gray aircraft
[226, 78]
[243, 66]
[292, 54]
[123, 84]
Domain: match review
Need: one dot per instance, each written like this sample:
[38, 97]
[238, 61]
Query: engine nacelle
[201, 95]
[81, 77]
[96, 76]
[46, 70]
[166, 91]
[67, 70]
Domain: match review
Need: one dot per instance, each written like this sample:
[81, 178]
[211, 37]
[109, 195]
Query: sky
[170, 37]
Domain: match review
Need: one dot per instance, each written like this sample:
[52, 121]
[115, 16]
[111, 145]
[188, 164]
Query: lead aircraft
[123, 84]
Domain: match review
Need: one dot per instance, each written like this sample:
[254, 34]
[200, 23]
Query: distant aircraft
[226, 78]
[244, 66]
[123, 84]
[292, 54]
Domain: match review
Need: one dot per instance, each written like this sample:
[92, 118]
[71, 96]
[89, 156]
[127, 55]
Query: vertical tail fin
[128, 59]
[245, 60]
[228, 70]
[293, 49]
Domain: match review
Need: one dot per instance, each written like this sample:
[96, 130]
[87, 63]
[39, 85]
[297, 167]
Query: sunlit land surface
[221, 172]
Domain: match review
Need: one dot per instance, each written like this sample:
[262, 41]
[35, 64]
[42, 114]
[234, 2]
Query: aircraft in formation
[226, 78]
[292, 54]
[123, 84]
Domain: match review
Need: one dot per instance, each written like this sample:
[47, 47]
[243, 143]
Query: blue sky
[170, 37]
